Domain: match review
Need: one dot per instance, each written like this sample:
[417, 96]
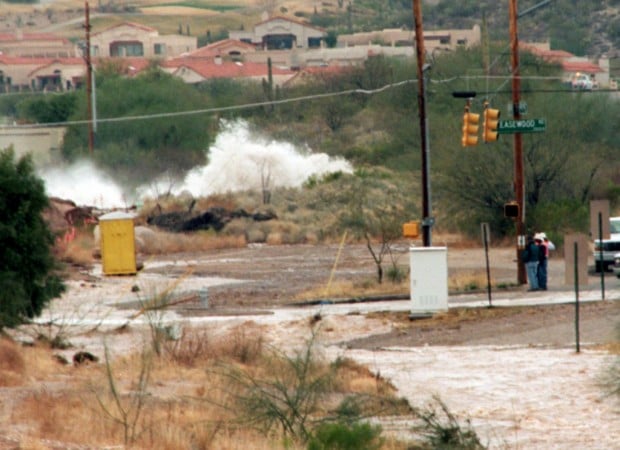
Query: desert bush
[126, 410]
[194, 346]
[197, 346]
[342, 436]
[441, 429]
[396, 274]
[289, 398]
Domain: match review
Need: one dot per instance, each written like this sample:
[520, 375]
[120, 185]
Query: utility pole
[427, 220]
[519, 186]
[89, 81]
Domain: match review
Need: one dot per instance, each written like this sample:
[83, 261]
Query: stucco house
[50, 74]
[230, 48]
[132, 39]
[36, 45]
[396, 37]
[281, 33]
[572, 65]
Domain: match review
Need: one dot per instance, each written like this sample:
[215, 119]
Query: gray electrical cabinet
[429, 280]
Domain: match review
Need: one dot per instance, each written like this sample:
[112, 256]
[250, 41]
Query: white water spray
[238, 160]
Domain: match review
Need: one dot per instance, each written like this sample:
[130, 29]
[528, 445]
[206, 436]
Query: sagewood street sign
[522, 126]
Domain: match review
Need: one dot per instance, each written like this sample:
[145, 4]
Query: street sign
[521, 108]
[522, 126]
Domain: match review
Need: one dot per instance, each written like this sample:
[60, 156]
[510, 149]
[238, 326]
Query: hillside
[584, 28]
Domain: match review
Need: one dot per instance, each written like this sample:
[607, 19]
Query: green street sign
[522, 126]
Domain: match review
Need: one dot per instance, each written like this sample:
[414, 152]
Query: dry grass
[188, 403]
[348, 289]
[78, 250]
[12, 364]
[468, 281]
[168, 243]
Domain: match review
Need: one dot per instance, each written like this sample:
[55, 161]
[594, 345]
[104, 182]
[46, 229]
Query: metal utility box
[118, 248]
[429, 280]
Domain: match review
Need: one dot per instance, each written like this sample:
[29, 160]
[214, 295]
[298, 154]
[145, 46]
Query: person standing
[543, 257]
[530, 257]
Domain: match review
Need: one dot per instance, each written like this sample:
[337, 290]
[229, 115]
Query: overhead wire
[499, 90]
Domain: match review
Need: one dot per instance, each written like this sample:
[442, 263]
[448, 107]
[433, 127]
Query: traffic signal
[511, 209]
[470, 128]
[491, 122]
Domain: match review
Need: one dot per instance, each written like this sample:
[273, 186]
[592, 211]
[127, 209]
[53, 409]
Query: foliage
[137, 148]
[51, 108]
[27, 268]
[126, 410]
[442, 430]
[369, 216]
[289, 398]
[342, 436]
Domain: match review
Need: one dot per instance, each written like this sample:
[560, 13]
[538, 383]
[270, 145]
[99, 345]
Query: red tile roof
[128, 24]
[549, 55]
[207, 68]
[298, 22]
[25, 60]
[579, 66]
[231, 43]
[13, 37]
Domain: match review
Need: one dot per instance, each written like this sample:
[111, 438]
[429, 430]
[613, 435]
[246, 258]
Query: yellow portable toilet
[118, 248]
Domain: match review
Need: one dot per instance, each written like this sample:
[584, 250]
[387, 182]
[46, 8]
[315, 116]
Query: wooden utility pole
[427, 220]
[519, 185]
[89, 81]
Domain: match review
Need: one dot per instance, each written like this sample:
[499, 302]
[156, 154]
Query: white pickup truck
[610, 246]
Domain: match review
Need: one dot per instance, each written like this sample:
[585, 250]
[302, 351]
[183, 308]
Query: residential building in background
[132, 39]
[281, 33]
[36, 45]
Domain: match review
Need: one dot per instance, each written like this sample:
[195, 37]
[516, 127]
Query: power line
[309, 97]
[221, 108]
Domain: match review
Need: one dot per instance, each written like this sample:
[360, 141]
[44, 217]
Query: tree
[27, 268]
[47, 109]
[143, 140]
[373, 219]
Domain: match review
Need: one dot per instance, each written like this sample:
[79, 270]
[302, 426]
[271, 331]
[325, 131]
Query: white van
[610, 246]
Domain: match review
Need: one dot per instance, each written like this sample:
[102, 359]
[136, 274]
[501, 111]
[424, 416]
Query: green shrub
[27, 265]
[341, 436]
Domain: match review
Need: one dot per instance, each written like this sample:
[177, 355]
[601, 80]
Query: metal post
[485, 239]
[601, 250]
[519, 186]
[576, 250]
[427, 220]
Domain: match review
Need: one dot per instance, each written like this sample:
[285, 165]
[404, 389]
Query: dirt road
[278, 275]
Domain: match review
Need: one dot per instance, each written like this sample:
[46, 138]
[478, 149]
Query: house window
[314, 42]
[130, 48]
[159, 49]
[279, 41]
[461, 41]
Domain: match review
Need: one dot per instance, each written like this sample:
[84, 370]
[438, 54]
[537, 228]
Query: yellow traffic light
[470, 128]
[491, 122]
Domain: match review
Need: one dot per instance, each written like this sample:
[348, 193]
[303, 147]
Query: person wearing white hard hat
[545, 245]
